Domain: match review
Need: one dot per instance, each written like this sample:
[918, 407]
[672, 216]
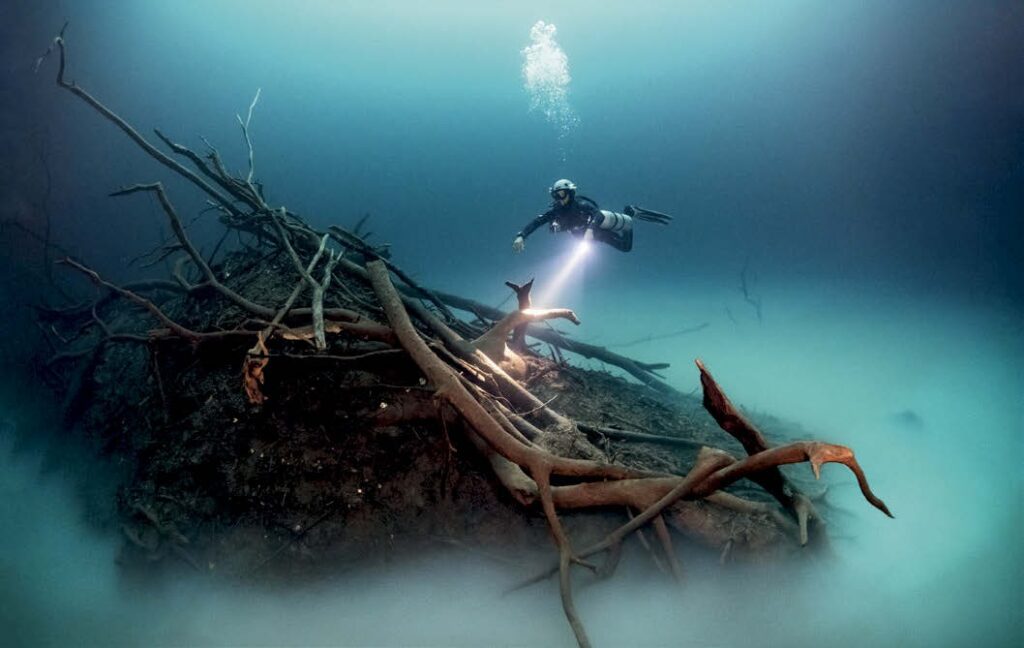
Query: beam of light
[555, 286]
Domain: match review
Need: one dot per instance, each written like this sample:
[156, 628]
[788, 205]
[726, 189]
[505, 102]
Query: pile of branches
[474, 371]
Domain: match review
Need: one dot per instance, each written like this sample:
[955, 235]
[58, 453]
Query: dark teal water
[863, 161]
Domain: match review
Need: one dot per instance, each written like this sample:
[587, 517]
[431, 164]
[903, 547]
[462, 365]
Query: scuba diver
[581, 216]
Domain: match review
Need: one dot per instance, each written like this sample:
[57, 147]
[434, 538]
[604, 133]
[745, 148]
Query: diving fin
[648, 215]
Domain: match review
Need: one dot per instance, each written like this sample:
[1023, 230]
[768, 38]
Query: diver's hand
[519, 244]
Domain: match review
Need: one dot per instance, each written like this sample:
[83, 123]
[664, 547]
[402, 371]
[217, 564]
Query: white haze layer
[843, 362]
[546, 78]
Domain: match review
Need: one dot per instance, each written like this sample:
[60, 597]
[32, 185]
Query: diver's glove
[519, 244]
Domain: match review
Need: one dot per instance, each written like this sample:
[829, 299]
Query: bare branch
[148, 305]
[248, 140]
[134, 135]
[493, 342]
[179, 231]
[172, 326]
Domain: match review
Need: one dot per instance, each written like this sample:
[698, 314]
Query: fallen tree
[292, 391]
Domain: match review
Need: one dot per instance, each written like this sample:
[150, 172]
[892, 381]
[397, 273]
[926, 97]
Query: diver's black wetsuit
[574, 217]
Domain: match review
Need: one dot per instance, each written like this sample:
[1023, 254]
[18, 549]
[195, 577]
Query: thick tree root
[714, 470]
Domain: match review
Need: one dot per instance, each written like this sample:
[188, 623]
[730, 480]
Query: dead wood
[523, 298]
[748, 297]
[661, 531]
[179, 231]
[639, 437]
[663, 336]
[639, 370]
[173, 326]
[494, 345]
[133, 134]
[769, 477]
[363, 406]
[539, 465]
